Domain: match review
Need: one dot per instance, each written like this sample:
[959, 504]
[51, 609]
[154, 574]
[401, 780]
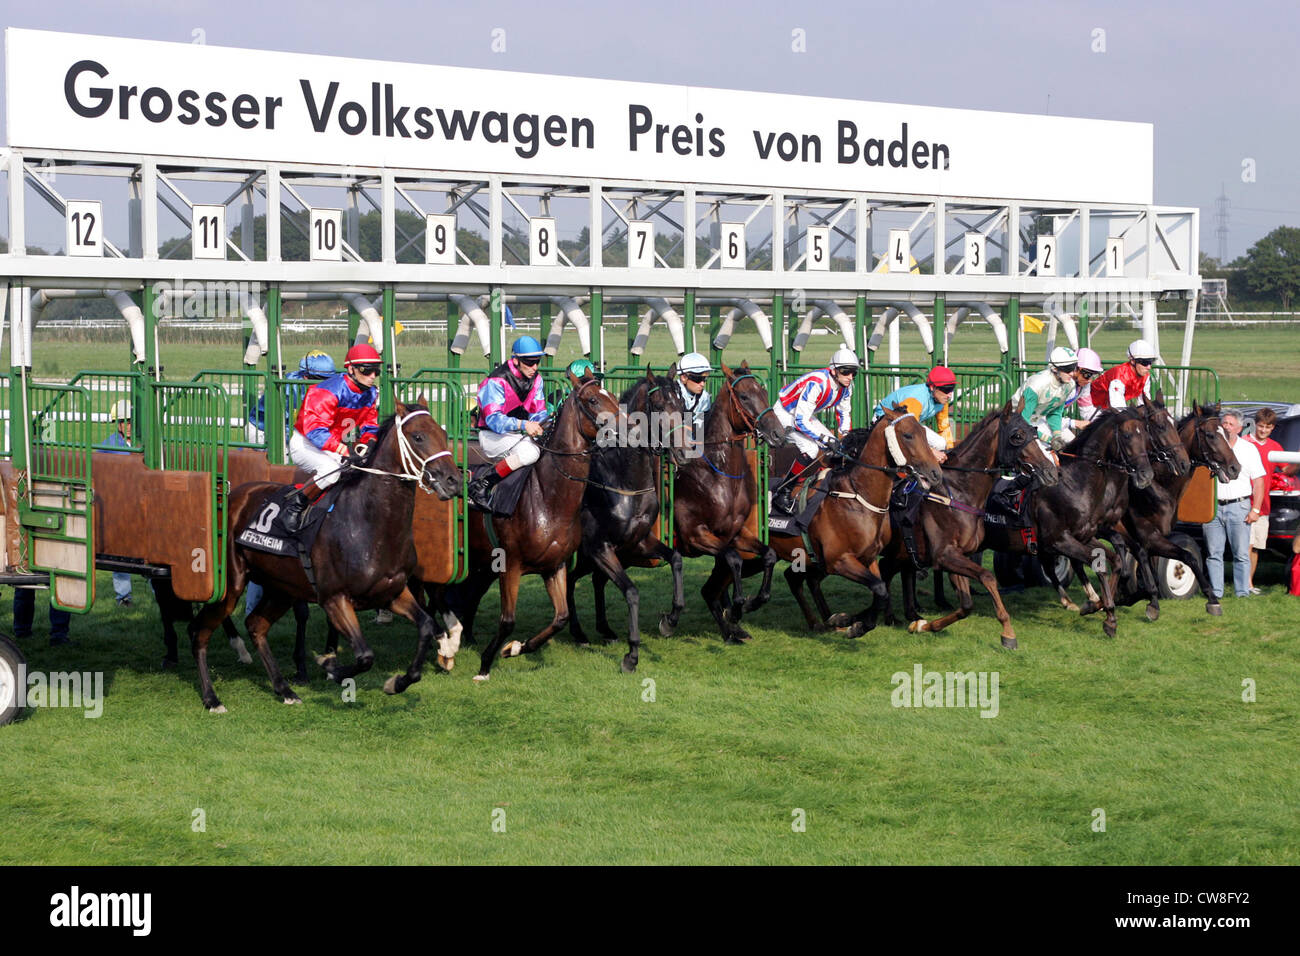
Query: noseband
[413, 466]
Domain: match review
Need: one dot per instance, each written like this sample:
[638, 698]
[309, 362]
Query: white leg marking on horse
[237, 645]
[480, 678]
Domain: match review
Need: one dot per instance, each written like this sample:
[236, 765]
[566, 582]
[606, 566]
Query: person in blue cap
[512, 408]
[315, 366]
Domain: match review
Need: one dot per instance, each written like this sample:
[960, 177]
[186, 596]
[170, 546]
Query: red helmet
[941, 375]
[362, 355]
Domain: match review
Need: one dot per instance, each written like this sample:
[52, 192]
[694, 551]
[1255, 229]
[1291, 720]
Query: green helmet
[581, 366]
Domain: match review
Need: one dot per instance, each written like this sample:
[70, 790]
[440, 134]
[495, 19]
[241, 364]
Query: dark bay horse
[362, 556]
[621, 506]
[1002, 443]
[716, 491]
[851, 527]
[1094, 485]
[545, 529]
[1153, 510]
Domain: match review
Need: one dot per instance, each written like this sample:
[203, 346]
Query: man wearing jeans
[1240, 501]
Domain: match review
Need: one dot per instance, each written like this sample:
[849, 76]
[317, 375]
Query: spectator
[119, 443]
[1265, 420]
[1240, 501]
[25, 610]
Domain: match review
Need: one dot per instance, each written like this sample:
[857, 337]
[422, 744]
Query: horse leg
[848, 566]
[471, 592]
[911, 606]
[940, 601]
[209, 620]
[746, 543]
[236, 642]
[580, 570]
[170, 610]
[1163, 547]
[426, 628]
[1147, 575]
[796, 581]
[598, 581]
[268, 611]
[1080, 555]
[300, 615]
[555, 588]
[1048, 564]
[736, 564]
[341, 613]
[610, 568]
[509, 583]
[650, 548]
[712, 590]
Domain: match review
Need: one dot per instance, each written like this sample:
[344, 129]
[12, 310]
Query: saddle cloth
[506, 494]
[812, 493]
[266, 532]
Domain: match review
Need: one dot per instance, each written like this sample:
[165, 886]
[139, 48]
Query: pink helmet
[1089, 361]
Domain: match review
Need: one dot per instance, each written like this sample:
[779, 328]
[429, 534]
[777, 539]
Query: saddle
[1014, 518]
[506, 494]
[812, 492]
[265, 532]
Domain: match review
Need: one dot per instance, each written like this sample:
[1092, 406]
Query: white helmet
[843, 357]
[120, 412]
[694, 363]
[1063, 358]
[1141, 349]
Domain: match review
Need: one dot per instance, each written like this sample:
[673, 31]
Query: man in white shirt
[1240, 501]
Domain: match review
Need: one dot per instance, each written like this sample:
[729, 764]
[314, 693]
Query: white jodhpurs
[323, 466]
[517, 445]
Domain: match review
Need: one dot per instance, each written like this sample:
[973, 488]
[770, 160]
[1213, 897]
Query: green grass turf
[1150, 727]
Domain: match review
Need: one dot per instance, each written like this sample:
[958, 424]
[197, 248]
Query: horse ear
[727, 371]
[422, 399]
[399, 408]
[744, 365]
[672, 371]
[1020, 409]
[1007, 409]
[1159, 398]
[1196, 408]
[650, 376]
[572, 378]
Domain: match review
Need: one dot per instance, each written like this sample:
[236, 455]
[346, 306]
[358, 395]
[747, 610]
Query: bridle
[751, 421]
[1200, 454]
[414, 468]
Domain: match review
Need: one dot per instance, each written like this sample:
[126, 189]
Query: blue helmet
[317, 364]
[526, 347]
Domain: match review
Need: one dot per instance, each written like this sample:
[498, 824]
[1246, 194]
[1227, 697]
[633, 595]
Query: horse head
[909, 448]
[416, 447]
[665, 413]
[1208, 442]
[1018, 447]
[1132, 447]
[749, 401]
[1162, 433]
[595, 407]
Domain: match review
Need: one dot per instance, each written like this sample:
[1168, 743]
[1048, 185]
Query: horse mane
[352, 474]
[853, 443]
[1083, 442]
[969, 443]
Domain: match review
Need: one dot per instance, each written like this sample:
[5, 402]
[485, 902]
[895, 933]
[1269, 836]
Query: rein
[412, 464]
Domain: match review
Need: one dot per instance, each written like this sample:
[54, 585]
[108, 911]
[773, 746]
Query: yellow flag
[1031, 324]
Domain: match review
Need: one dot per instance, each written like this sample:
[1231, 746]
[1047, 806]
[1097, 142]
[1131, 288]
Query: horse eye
[420, 439]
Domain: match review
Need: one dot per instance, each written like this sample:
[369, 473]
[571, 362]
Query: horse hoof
[857, 629]
[839, 620]
[390, 685]
[628, 666]
[219, 709]
[739, 636]
[1214, 607]
[918, 626]
[665, 629]
[446, 663]
[1153, 613]
[324, 660]
[1010, 643]
[1089, 608]
[480, 678]
[300, 679]
[1071, 606]
[292, 698]
[1110, 629]
[513, 649]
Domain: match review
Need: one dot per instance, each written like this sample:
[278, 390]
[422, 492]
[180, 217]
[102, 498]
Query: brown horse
[1153, 510]
[1094, 486]
[715, 493]
[851, 527]
[362, 555]
[546, 527]
[1001, 443]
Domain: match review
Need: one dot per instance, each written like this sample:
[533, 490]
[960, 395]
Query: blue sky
[1216, 80]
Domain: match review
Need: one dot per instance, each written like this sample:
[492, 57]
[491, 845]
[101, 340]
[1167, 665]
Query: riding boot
[1007, 496]
[783, 499]
[480, 490]
[296, 505]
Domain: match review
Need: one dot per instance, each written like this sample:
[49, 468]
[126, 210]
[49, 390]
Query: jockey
[692, 372]
[1089, 368]
[927, 401]
[511, 412]
[1046, 393]
[796, 408]
[1123, 383]
[341, 404]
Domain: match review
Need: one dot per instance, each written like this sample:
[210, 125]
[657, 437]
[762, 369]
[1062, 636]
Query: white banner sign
[106, 94]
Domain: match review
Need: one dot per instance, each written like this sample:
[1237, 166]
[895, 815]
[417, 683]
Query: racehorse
[851, 527]
[1099, 464]
[1153, 510]
[362, 555]
[545, 528]
[1001, 443]
[621, 505]
[715, 492]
